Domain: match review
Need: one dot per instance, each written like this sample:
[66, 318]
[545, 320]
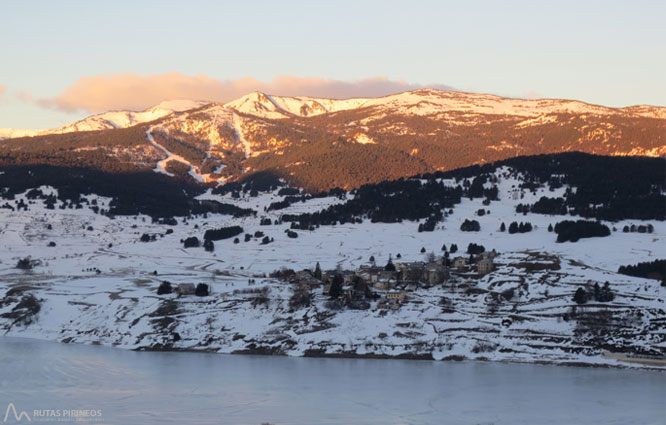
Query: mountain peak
[178, 105]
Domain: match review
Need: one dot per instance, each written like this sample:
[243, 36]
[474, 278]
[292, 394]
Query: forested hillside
[320, 144]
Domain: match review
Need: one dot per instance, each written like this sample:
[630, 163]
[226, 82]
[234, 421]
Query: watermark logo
[13, 415]
[17, 416]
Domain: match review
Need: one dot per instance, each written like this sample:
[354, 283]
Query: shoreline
[622, 361]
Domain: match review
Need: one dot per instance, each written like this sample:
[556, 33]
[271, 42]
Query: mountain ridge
[180, 105]
[319, 143]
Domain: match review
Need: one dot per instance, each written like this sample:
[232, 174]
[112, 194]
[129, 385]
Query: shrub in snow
[164, 288]
[202, 290]
[191, 242]
[301, 298]
[25, 264]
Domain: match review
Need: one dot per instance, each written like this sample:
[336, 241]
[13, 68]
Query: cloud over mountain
[136, 92]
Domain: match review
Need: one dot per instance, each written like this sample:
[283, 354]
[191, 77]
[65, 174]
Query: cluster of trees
[123, 150]
[641, 228]
[651, 270]
[474, 249]
[201, 290]
[148, 238]
[516, 227]
[142, 192]
[470, 226]
[572, 231]
[206, 206]
[545, 205]
[597, 293]
[429, 224]
[222, 233]
[192, 149]
[477, 189]
[386, 202]
[606, 188]
[262, 181]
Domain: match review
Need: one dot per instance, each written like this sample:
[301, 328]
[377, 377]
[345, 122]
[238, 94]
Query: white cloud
[136, 92]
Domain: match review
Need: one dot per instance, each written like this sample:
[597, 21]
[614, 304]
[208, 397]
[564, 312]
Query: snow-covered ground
[99, 285]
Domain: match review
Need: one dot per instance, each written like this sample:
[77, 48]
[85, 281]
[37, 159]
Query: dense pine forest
[143, 192]
[604, 188]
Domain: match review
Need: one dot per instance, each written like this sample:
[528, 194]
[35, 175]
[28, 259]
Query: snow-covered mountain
[320, 143]
[110, 120]
[427, 102]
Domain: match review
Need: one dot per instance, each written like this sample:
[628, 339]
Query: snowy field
[98, 285]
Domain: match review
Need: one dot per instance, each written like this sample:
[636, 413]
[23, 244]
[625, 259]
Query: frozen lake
[193, 388]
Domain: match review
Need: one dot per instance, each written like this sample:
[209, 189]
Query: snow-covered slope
[276, 107]
[427, 102]
[98, 285]
[111, 119]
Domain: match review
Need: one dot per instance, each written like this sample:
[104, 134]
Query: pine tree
[513, 227]
[336, 286]
[209, 245]
[550, 227]
[390, 266]
[606, 293]
[503, 228]
[317, 272]
[580, 297]
[453, 249]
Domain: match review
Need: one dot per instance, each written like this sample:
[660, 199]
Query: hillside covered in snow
[82, 263]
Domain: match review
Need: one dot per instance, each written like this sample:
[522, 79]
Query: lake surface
[195, 388]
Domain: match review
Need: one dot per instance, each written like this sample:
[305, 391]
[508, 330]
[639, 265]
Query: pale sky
[62, 60]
